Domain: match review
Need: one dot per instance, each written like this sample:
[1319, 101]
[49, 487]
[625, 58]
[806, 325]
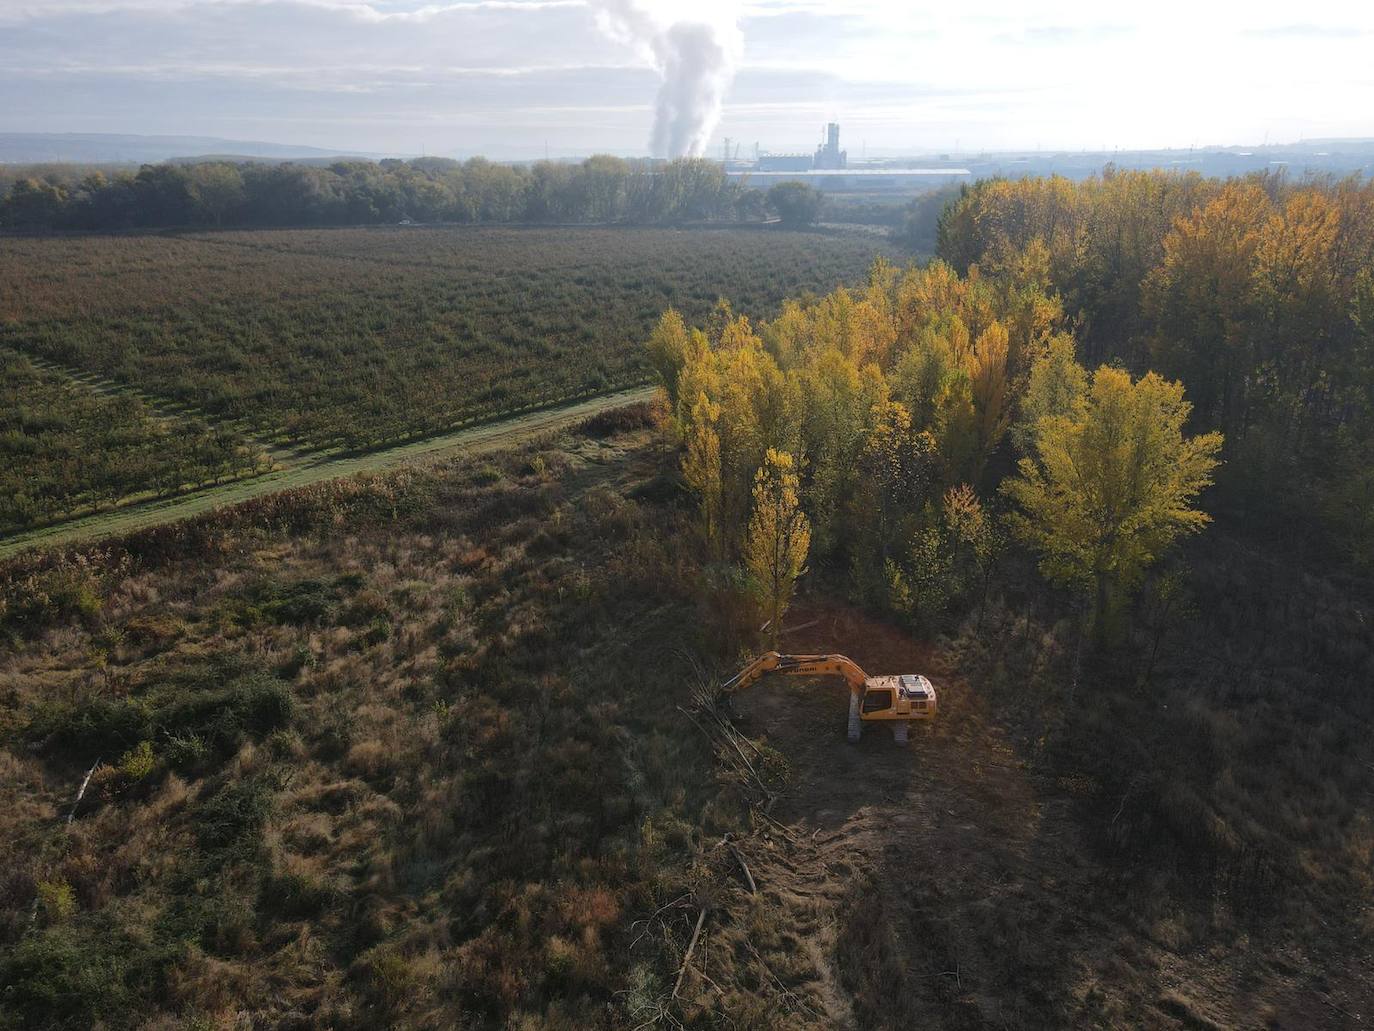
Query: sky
[519, 78]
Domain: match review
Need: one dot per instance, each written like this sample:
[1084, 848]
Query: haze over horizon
[508, 78]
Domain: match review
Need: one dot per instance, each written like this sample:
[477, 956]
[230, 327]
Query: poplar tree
[670, 348]
[701, 470]
[779, 536]
[1111, 484]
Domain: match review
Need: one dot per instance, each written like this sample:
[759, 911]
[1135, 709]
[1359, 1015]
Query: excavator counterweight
[899, 699]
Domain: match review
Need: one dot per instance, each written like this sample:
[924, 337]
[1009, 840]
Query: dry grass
[382, 768]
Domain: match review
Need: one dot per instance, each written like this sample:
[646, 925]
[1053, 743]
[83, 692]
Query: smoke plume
[695, 57]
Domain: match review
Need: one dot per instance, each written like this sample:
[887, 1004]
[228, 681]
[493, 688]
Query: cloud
[370, 9]
[504, 75]
[1062, 35]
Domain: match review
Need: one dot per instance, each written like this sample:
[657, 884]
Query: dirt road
[481, 439]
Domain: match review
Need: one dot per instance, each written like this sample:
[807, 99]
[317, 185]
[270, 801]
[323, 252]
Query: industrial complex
[829, 168]
[828, 156]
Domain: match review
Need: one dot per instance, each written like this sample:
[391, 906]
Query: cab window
[877, 701]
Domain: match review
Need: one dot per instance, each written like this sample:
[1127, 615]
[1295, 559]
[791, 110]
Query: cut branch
[81, 792]
[691, 947]
[739, 858]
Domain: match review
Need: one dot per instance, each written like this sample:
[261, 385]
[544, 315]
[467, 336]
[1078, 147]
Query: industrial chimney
[829, 154]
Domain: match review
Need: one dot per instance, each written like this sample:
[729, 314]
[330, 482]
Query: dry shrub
[614, 421]
[592, 909]
[476, 756]
[210, 987]
[371, 760]
[489, 975]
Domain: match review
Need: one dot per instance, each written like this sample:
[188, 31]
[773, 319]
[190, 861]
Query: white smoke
[695, 55]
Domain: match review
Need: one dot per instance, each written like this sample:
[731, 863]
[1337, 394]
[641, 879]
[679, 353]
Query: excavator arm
[800, 666]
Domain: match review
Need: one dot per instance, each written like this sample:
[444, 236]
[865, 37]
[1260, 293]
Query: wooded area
[355, 192]
[1256, 293]
[895, 405]
[1202, 311]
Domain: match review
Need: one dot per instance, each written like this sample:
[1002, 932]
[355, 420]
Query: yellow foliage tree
[670, 348]
[987, 371]
[1199, 297]
[1057, 383]
[956, 430]
[1112, 482]
[701, 470]
[779, 536]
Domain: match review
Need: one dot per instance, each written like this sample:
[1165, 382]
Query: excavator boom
[797, 665]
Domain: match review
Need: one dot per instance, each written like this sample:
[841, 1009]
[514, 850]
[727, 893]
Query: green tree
[796, 203]
[1111, 484]
[218, 189]
[1057, 383]
[32, 204]
[779, 536]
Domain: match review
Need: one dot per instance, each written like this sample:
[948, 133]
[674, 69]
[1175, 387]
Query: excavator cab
[900, 699]
[909, 694]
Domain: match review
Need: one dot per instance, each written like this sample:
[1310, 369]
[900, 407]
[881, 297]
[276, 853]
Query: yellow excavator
[899, 699]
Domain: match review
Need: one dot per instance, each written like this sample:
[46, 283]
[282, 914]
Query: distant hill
[101, 148]
[1339, 157]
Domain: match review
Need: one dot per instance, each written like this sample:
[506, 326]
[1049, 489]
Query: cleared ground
[952, 878]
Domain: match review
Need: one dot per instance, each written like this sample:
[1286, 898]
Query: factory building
[828, 156]
[828, 169]
[785, 163]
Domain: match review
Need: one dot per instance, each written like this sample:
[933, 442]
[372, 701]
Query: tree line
[220, 193]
